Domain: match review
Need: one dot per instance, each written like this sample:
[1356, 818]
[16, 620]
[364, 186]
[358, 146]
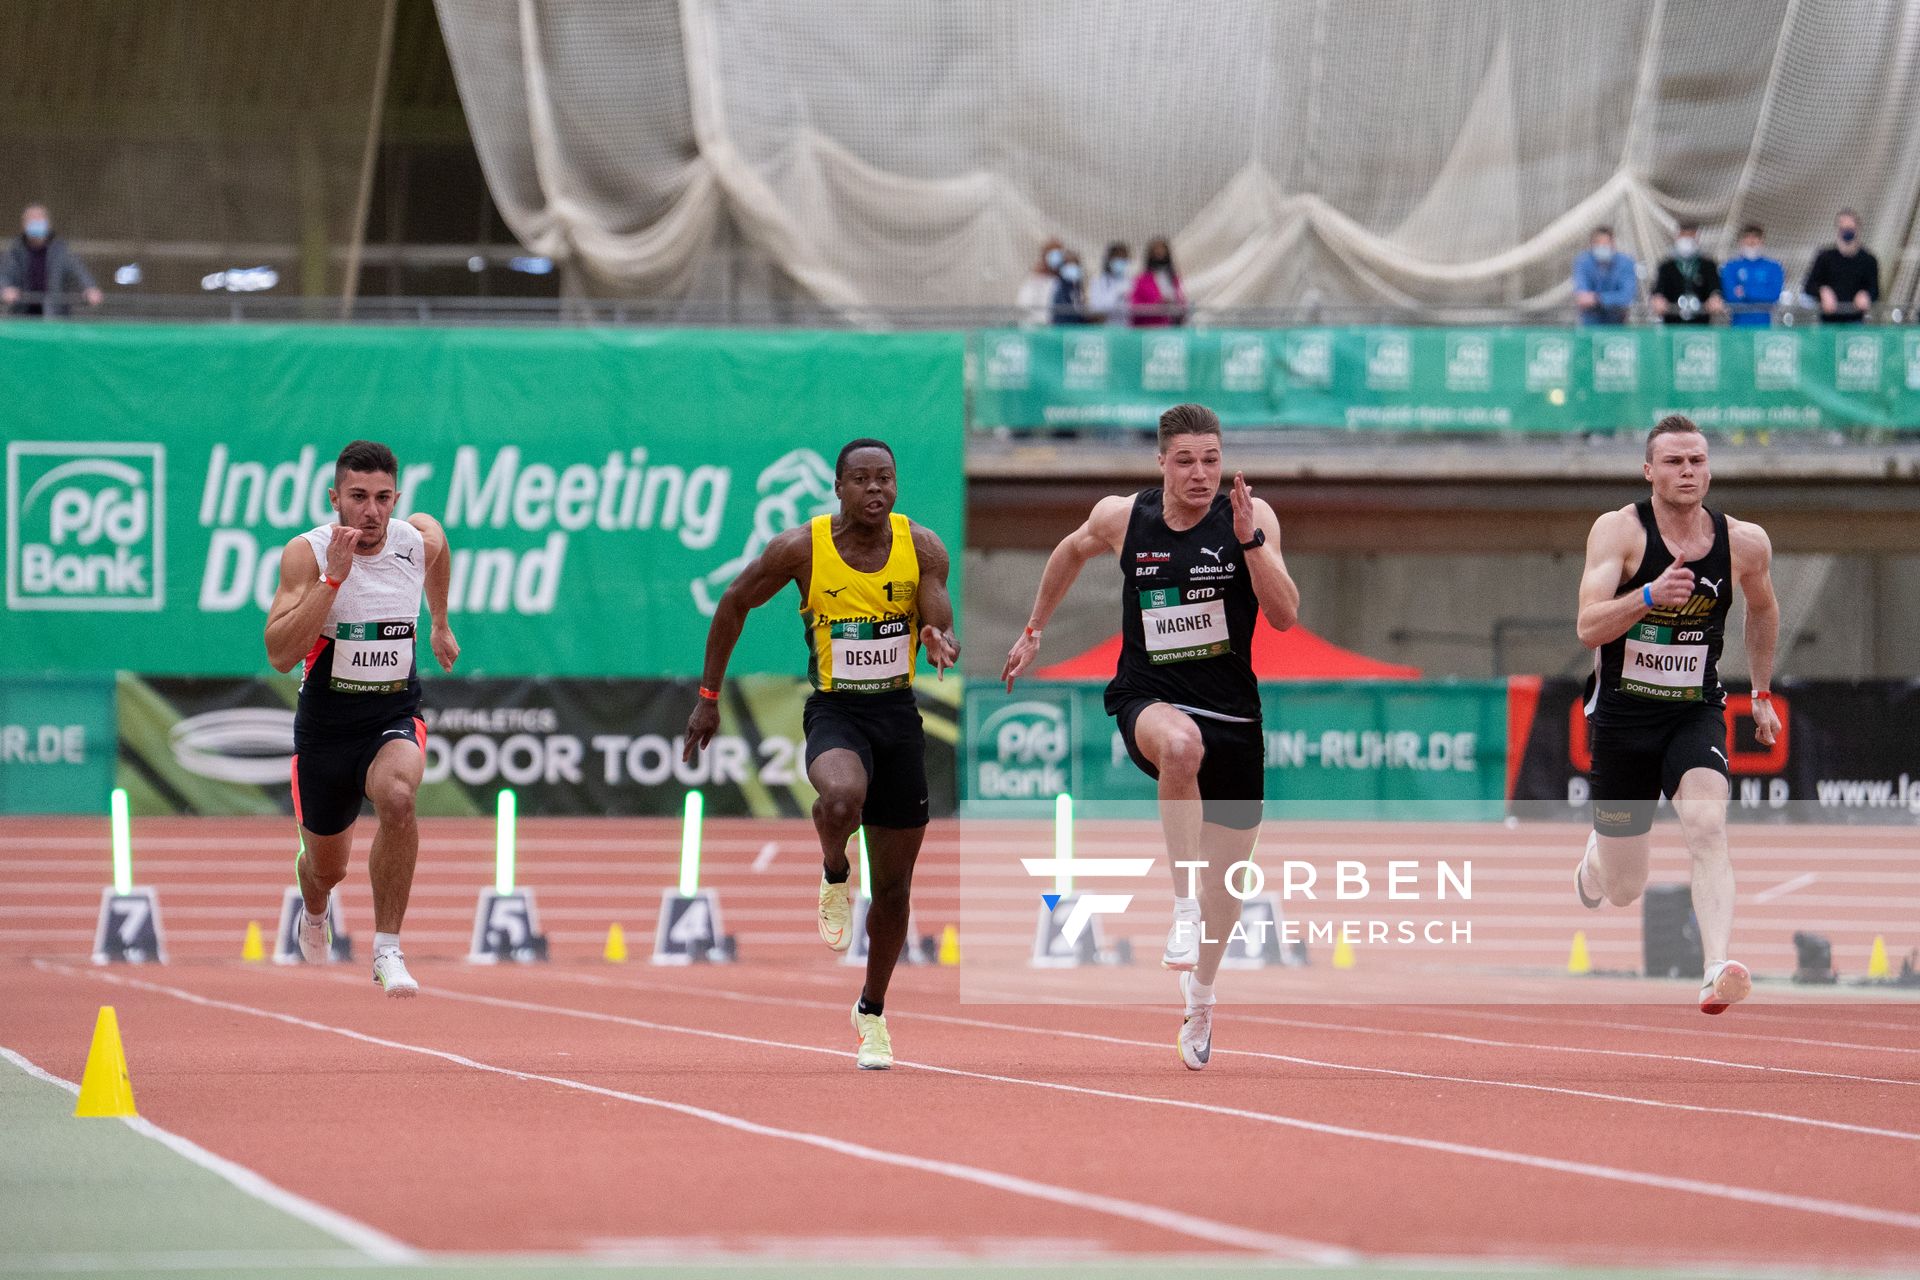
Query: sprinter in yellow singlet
[873, 591]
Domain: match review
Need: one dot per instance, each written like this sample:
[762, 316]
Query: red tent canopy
[1294, 654]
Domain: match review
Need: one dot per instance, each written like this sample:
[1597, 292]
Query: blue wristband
[1646, 595]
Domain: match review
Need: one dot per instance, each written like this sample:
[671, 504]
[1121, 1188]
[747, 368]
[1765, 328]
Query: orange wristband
[331, 581]
[711, 695]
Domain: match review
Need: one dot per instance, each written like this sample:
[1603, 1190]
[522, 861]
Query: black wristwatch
[1259, 540]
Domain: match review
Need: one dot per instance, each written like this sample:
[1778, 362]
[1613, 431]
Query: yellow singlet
[863, 629]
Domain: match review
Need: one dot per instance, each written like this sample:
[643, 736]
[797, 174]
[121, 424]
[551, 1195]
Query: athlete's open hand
[1674, 587]
[1243, 525]
[1021, 656]
[942, 649]
[342, 541]
[701, 726]
[446, 649]
[1766, 722]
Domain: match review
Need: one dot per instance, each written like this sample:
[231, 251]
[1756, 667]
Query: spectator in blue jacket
[1751, 282]
[1605, 281]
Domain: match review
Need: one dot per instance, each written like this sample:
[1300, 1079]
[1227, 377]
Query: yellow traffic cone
[106, 1089]
[253, 951]
[1877, 966]
[950, 945]
[1342, 953]
[616, 952]
[1579, 963]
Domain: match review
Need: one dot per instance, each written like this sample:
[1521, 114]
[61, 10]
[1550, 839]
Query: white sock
[312, 918]
[1186, 908]
[1199, 995]
[385, 942]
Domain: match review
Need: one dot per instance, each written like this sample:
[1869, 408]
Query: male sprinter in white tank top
[348, 603]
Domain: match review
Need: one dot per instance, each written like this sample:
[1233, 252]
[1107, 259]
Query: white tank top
[363, 664]
[383, 587]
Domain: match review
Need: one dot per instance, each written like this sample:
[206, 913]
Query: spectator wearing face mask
[1109, 291]
[1686, 288]
[40, 270]
[1157, 297]
[1751, 283]
[1844, 277]
[1605, 280]
[1069, 305]
[1035, 298]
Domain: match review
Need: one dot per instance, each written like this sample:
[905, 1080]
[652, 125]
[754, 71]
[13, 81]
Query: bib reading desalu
[372, 657]
[1184, 623]
[870, 656]
[1665, 663]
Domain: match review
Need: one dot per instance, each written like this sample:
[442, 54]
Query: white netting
[1420, 151]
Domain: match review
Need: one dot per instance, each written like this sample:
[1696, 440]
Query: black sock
[871, 1008]
[827, 871]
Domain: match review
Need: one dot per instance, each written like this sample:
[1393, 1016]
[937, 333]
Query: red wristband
[1764, 695]
[711, 695]
[331, 581]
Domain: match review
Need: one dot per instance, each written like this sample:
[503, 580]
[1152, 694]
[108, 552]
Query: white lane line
[1665, 1182]
[764, 859]
[1160, 1047]
[1716, 1033]
[1171, 1220]
[375, 1244]
[1782, 890]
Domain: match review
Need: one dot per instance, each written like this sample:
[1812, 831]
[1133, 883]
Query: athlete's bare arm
[301, 602]
[935, 605]
[446, 649]
[788, 558]
[1605, 615]
[1753, 574]
[1273, 586]
[1105, 531]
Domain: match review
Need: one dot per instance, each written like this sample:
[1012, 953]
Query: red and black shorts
[330, 775]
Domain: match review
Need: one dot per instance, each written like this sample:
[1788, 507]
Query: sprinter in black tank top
[1658, 585]
[1196, 564]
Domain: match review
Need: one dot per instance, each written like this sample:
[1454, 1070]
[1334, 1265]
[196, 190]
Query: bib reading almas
[1669, 659]
[863, 629]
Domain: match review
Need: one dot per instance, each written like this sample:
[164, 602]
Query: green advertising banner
[56, 744]
[1436, 379]
[599, 488]
[1355, 749]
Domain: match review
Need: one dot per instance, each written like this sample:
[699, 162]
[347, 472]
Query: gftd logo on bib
[86, 526]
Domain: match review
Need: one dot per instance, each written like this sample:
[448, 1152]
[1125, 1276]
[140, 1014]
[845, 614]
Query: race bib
[1182, 624]
[869, 657]
[1666, 663]
[372, 657]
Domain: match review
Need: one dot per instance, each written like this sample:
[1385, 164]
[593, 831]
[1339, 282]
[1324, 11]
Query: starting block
[1256, 943]
[506, 927]
[1052, 949]
[286, 945]
[917, 948]
[690, 930]
[129, 930]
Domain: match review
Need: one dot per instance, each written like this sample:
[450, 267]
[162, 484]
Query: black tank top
[1187, 614]
[1667, 662]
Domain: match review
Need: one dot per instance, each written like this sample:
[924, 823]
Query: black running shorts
[1233, 770]
[1634, 765]
[330, 777]
[884, 730]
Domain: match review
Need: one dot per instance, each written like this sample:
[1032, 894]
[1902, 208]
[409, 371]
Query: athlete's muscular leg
[1171, 740]
[841, 780]
[1221, 847]
[891, 854]
[393, 779]
[1618, 867]
[1701, 803]
[322, 864]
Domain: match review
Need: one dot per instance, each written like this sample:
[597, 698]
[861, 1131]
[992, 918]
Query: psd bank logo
[86, 526]
[1023, 749]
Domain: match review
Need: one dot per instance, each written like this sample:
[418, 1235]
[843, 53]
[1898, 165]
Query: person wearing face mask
[1751, 283]
[1035, 298]
[1605, 280]
[1686, 289]
[40, 270]
[1844, 276]
[1108, 292]
[1157, 296]
[1069, 303]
